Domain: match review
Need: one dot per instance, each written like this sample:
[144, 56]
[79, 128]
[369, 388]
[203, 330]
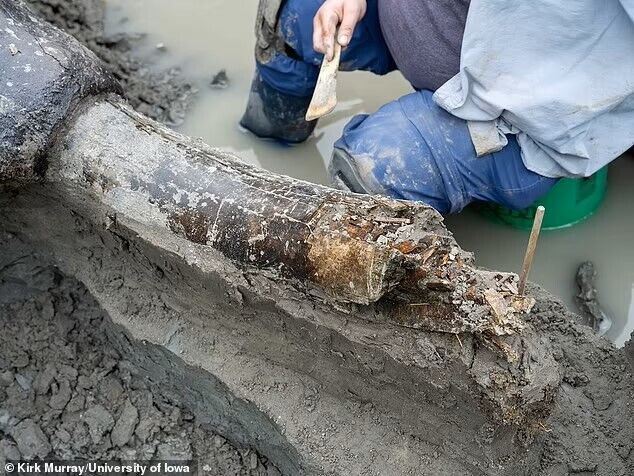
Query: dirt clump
[162, 95]
[592, 419]
[66, 393]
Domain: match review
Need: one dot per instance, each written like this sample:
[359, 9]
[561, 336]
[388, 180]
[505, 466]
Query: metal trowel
[325, 96]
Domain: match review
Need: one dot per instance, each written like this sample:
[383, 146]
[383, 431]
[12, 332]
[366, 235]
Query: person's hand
[332, 13]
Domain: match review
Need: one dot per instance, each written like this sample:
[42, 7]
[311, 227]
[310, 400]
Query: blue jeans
[410, 148]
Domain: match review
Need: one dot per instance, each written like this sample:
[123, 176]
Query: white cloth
[559, 73]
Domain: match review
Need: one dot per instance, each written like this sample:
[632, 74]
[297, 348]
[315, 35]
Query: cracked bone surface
[278, 288]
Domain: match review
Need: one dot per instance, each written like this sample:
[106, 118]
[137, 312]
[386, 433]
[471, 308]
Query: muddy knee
[353, 174]
[384, 153]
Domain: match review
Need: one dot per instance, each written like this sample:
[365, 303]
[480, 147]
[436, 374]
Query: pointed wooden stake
[530, 249]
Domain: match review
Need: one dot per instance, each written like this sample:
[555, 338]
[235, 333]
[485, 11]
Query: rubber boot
[271, 114]
[345, 174]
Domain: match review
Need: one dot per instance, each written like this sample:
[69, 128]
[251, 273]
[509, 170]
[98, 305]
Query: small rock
[124, 428]
[146, 451]
[60, 398]
[23, 381]
[253, 460]
[84, 382]
[13, 49]
[128, 454]
[21, 360]
[44, 379]
[108, 363]
[9, 451]
[220, 80]
[31, 440]
[145, 429]
[6, 378]
[174, 448]
[81, 437]
[76, 404]
[99, 421]
[64, 325]
[111, 388]
[175, 415]
[5, 418]
[161, 47]
[21, 402]
[69, 372]
[49, 417]
[63, 435]
[218, 441]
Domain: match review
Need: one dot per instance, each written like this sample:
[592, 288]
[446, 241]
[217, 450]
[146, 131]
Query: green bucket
[569, 202]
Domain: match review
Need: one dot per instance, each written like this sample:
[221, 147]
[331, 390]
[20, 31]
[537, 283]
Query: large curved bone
[355, 249]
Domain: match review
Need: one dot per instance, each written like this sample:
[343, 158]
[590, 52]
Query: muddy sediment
[590, 429]
[65, 391]
[354, 397]
[69, 391]
[162, 95]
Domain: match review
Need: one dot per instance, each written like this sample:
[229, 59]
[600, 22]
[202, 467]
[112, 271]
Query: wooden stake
[530, 249]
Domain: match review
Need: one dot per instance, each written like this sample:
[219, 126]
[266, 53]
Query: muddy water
[605, 239]
[202, 37]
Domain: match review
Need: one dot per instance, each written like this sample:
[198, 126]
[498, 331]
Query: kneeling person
[410, 148]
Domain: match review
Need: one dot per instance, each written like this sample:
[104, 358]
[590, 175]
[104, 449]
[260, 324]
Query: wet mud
[162, 95]
[343, 398]
[69, 390]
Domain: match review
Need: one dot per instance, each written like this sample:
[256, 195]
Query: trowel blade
[325, 95]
